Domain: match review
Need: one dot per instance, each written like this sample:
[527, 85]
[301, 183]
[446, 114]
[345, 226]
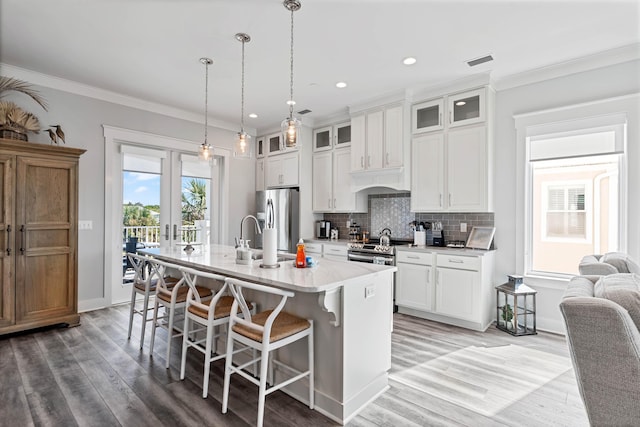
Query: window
[573, 201]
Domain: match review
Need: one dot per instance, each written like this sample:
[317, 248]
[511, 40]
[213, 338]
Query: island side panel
[368, 316]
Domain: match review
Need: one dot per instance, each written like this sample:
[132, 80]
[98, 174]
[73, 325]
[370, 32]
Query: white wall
[81, 119]
[608, 82]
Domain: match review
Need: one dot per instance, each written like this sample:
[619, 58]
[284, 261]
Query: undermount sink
[281, 257]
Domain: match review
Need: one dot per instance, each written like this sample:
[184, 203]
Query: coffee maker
[323, 229]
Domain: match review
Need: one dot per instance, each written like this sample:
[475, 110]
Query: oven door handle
[360, 258]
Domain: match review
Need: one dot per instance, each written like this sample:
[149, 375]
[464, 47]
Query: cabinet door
[322, 196]
[273, 176]
[334, 252]
[457, 293]
[46, 283]
[427, 116]
[260, 147]
[323, 139]
[274, 143]
[358, 143]
[414, 287]
[343, 198]
[342, 135]
[375, 140]
[427, 173]
[467, 108]
[7, 245]
[290, 175]
[393, 137]
[260, 175]
[466, 170]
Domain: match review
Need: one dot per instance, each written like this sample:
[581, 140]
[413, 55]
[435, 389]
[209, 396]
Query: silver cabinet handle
[450, 116]
[449, 199]
[456, 261]
[440, 199]
[166, 232]
[175, 232]
[440, 120]
[413, 257]
[369, 160]
[334, 203]
[329, 202]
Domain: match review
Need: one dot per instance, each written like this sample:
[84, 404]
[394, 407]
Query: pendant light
[206, 150]
[242, 146]
[291, 125]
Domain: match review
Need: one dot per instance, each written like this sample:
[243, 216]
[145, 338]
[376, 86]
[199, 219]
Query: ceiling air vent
[305, 111]
[478, 61]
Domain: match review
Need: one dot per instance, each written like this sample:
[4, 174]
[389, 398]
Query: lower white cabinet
[447, 287]
[335, 251]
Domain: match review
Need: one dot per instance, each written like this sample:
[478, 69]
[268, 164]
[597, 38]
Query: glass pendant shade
[206, 152]
[291, 131]
[243, 146]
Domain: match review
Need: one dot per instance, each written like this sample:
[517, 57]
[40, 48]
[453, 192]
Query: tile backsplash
[393, 211]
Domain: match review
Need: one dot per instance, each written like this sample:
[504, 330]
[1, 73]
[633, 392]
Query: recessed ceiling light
[253, 115]
[410, 60]
[460, 103]
[341, 85]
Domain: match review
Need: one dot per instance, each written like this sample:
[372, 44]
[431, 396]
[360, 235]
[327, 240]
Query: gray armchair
[604, 343]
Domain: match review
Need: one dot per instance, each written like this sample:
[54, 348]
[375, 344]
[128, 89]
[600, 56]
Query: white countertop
[443, 249]
[220, 259]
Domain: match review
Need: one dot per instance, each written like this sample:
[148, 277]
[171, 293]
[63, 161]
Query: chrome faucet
[258, 229]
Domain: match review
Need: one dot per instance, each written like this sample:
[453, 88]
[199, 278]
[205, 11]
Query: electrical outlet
[463, 227]
[348, 223]
[85, 225]
[369, 291]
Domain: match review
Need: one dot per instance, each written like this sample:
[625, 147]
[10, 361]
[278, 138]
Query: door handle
[334, 203]
[175, 231]
[449, 199]
[9, 240]
[440, 199]
[329, 202]
[22, 231]
[166, 232]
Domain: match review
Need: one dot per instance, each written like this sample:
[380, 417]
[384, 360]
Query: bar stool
[210, 315]
[266, 331]
[172, 298]
[143, 284]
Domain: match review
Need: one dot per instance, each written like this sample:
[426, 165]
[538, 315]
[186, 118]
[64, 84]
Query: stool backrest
[139, 264]
[157, 274]
[190, 277]
[236, 287]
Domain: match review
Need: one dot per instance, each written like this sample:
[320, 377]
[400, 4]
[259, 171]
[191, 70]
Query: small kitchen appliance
[323, 229]
[437, 234]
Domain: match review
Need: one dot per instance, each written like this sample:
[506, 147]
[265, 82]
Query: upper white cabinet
[331, 175]
[260, 175]
[451, 161]
[282, 170]
[427, 116]
[377, 140]
[328, 137]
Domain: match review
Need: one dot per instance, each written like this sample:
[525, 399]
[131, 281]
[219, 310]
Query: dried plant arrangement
[15, 123]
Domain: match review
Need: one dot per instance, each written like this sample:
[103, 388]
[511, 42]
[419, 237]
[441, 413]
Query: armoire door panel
[7, 255]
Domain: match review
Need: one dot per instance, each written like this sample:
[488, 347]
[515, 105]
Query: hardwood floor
[93, 376]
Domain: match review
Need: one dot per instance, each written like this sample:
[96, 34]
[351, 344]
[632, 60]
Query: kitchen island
[351, 305]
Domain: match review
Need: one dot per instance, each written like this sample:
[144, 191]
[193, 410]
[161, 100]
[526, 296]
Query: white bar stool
[266, 331]
[172, 298]
[210, 315]
[143, 284]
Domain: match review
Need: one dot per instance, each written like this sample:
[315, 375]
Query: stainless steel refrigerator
[286, 204]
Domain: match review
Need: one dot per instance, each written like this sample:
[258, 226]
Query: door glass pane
[196, 197]
[344, 135]
[427, 117]
[140, 212]
[323, 139]
[467, 108]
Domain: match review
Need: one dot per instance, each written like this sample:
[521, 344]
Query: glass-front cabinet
[274, 143]
[342, 134]
[323, 139]
[427, 116]
[466, 108]
[260, 147]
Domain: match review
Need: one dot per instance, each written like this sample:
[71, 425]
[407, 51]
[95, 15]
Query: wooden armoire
[38, 235]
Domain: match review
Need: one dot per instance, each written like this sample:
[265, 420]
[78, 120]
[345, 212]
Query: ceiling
[150, 49]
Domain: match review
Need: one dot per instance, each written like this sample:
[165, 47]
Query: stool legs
[264, 366]
[311, 368]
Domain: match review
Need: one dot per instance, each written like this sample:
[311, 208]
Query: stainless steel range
[373, 253]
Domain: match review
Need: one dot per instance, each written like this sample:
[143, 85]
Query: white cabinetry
[282, 170]
[260, 175]
[377, 139]
[336, 252]
[331, 189]
[446, 286]
[335, 136]
[414, 280]
[450, 165]
[274, 143]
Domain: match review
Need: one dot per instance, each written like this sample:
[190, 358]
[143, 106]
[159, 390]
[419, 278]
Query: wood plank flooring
[93, 376]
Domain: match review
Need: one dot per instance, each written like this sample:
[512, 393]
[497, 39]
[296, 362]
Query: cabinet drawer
[459, 262]
[423, 258]
[336, 250]
[313, 248]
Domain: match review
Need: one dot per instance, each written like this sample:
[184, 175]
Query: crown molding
[577, 65]
[81, 89]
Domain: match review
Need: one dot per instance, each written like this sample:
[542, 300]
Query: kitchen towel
[420, 238]
[270, 247]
